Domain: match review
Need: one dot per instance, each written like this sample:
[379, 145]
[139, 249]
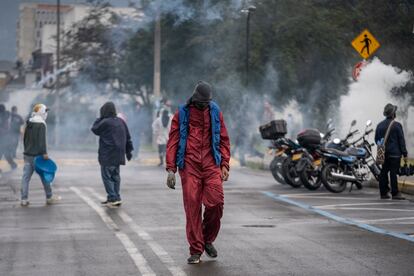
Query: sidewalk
[406, 184]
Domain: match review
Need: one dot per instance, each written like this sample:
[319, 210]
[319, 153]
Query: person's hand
[45, 156]
[224, 174]
[171, 180]
[129, 156]
[405, 159]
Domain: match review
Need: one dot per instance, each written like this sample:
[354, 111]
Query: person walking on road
[394, 149]
[5, 138]
[35, 144]
[200, 147]
[161, 128]
[114, 144]
[16, 122]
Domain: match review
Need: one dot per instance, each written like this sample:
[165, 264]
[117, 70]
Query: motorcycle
[354, 164]
[310, 166]
[278, 150]
[293, 153]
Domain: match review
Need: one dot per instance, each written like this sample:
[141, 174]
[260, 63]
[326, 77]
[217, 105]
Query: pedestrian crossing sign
[365, 44]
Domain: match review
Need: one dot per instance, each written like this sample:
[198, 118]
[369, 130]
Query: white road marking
[330, 197]
[307, 194]
[132, 250]
[155, 247]
[371, 209]
[353, 204]
[386, 219]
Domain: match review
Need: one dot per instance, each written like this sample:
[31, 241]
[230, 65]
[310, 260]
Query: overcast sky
[9, 10]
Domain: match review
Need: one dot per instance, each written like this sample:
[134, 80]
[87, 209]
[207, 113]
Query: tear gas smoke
[368, 96]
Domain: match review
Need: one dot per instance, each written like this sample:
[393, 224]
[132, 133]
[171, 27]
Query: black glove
[129, 156]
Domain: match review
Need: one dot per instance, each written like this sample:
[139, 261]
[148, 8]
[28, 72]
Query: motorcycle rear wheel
[331, 184]
[310, 178]
[289, 173]
[276, 169]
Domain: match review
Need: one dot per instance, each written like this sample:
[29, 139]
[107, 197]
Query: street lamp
[248, 11]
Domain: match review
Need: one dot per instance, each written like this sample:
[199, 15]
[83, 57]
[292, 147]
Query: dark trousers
[112, 182]
[9, 157]
[391, 166]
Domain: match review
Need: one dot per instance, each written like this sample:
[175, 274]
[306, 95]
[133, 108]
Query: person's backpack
[381, 147]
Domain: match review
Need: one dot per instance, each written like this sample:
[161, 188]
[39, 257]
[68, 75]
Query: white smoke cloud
[368, 96]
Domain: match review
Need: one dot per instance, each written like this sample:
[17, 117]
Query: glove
[171, 180]
[129, 156]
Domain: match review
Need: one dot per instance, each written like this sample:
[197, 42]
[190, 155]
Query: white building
[36, 27]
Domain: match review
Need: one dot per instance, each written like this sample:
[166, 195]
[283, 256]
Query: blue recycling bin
[46, 168]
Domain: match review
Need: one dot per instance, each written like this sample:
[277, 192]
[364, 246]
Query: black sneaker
[398, 197]
[194, 259]
[387, 196]
[210, 250]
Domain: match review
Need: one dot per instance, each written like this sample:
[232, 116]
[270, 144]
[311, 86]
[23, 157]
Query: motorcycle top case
[274, 130]
[309, 138]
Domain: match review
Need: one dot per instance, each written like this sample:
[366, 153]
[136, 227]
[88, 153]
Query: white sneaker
[53, 200]
[24, 203]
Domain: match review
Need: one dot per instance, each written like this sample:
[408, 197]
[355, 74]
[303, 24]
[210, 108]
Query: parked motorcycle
[353, 165]
[310, 165]
[278, 150]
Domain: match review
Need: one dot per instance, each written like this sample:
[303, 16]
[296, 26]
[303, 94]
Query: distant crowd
[10, 130]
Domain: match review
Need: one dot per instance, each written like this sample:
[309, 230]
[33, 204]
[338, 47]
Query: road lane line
[337, 218]
[354, 204]
[331, 197]
[133, 252]
[155, 247]
[387, 219]
[369, 209]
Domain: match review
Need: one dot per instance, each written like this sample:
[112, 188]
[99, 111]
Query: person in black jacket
[16, 122]
[114, 144]
[394, 149]
[34, 141]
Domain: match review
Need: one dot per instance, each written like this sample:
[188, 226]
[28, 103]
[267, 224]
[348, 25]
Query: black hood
[108, 110]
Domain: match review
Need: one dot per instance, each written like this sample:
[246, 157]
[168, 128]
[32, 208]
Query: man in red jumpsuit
[200, 147]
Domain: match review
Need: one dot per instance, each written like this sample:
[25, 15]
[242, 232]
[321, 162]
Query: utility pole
[249, 10]
[57, 111]
[157, 57]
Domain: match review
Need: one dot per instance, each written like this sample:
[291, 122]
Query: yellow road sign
[365, 44]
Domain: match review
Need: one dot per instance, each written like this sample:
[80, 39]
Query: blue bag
[46, 169]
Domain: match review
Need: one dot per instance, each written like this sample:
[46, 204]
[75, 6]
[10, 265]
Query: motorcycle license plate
[297, 156]
[317, 163]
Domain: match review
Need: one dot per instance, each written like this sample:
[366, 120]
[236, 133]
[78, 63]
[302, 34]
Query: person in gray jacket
[35, 145]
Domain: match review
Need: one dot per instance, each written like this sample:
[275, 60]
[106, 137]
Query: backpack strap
[388, 132]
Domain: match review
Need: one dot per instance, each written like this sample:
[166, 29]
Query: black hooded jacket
[395, 146]
[114, 138]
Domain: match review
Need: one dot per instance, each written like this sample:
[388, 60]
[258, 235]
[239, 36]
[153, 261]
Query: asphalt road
[267, 228]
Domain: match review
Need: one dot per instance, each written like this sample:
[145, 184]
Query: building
[33, 20]
[36, 27]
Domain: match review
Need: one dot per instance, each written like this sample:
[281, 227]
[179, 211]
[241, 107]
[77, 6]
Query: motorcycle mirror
[369, 123]
[337, 141]
[353, 123]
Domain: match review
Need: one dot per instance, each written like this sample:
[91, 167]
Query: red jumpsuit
[201, 177]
